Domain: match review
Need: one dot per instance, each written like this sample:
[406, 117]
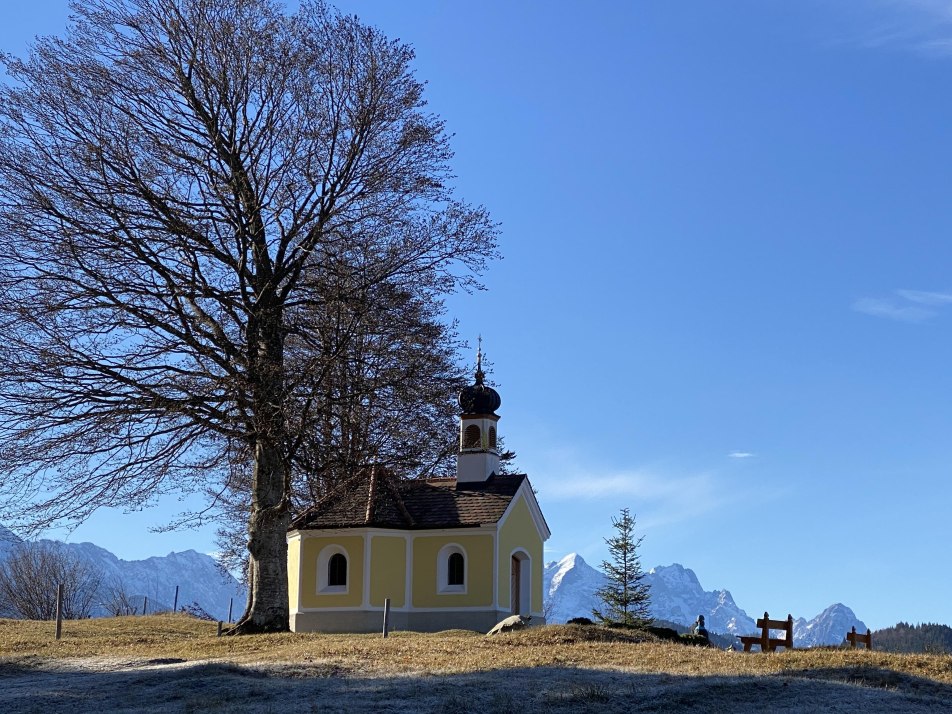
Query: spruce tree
[625, 596]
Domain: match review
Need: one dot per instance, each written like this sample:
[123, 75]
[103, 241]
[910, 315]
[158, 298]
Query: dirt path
[164, 686]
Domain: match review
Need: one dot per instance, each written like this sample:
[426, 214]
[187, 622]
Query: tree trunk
[268, 606]
[268, 609]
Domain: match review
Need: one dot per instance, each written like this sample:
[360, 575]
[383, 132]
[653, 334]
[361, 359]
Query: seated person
[699, 628]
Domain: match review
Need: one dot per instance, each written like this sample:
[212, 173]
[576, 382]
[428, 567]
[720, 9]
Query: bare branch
[189, 191]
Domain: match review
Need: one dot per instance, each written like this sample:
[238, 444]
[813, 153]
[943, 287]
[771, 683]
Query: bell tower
[478, 457]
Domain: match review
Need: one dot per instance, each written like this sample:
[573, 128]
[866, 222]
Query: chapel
[462, 552]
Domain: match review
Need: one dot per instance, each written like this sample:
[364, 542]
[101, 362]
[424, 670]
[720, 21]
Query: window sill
[333, 590]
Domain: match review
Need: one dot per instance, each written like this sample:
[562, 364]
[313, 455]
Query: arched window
[471, 437]
[451, 569]
[492, 437]
[455, 567]
[337, 570]
[332, 570]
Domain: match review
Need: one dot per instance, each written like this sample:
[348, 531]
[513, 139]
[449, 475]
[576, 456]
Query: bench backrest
[855, 637]
[775, 624]
[766, 625]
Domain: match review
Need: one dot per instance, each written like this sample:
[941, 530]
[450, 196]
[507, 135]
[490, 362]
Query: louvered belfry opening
[472, 437]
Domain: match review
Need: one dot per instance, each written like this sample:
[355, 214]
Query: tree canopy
[189, 191]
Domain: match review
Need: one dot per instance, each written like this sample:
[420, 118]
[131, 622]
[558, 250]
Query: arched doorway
[520, 584]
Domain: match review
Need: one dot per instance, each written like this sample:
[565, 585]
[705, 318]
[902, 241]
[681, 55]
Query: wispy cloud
[923, 26]
[740, 454]
[644, 484]
[890, 309]
[904, 305]
[925, 298]
[664, 498]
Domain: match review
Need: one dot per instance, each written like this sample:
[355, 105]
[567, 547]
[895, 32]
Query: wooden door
[515, 585]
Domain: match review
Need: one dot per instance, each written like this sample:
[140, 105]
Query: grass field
[172, 663]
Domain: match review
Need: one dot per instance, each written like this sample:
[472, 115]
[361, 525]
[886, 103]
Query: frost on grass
[170, 664]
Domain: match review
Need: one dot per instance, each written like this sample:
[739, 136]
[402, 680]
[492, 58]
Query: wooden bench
[855, 637]
[764, 640]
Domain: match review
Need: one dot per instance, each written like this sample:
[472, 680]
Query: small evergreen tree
[625, 595]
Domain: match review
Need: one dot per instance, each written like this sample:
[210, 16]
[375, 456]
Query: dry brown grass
[172, 663]
[179, 637]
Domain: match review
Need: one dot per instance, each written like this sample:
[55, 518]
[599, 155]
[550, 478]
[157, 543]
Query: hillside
[174, 664]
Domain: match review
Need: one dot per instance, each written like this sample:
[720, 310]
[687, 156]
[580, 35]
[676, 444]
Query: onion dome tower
[478, 458]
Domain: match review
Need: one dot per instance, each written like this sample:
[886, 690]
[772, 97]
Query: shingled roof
[382, 501]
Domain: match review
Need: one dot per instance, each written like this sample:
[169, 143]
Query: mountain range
[199, 579]
[677, 596]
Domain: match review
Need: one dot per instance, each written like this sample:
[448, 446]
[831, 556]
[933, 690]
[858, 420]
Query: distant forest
[903, 637]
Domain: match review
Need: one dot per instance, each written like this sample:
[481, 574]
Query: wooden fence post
[386, 616]
[145, 604]
[59, 610]
[175, 601]
[219, 628]
[231, 601]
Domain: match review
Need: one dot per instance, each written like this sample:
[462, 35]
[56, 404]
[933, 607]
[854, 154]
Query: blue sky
[726, 298]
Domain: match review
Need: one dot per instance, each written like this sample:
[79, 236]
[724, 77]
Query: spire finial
[479, 362]
[479, 398]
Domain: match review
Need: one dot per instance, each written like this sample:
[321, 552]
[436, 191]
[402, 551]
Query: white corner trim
[408, 575]
[365, 600]
[495, 569]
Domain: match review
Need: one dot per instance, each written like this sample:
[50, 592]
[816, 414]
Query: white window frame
[443, 571]
[323, 561]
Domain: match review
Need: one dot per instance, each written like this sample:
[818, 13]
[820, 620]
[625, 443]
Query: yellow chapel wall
[388, 567]
[519, 532]
[479, 569]
[311, 548]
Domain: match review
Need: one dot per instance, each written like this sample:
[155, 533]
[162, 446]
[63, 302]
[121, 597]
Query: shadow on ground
[172, 686]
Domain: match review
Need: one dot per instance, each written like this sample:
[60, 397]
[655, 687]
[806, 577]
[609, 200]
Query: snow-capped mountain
[677, 596]
[8, 539]
[827, 628]
[197, 576]
[569, 586]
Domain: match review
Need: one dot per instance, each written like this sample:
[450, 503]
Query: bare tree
[186, 188]
[29, 577]
[387, 397]
[117, 600]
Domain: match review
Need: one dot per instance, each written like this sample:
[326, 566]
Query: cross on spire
[479, 362]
